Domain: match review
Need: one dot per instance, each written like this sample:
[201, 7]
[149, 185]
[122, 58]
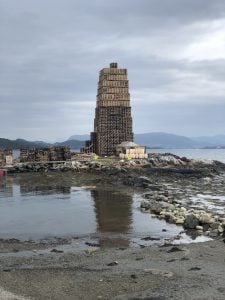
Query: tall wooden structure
[113, 121]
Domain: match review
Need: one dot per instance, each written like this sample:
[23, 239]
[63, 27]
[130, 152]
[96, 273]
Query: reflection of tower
[114, 217]
[6, 187]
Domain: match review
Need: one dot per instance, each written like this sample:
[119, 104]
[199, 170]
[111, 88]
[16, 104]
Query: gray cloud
[51, 52]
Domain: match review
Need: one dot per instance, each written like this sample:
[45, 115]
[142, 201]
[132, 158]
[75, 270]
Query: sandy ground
[194, 271]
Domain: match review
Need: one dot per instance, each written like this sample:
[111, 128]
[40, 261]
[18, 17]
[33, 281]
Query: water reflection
[56, 208]
[43, 190]
[6, 187]
[47, 206]
[113, 216]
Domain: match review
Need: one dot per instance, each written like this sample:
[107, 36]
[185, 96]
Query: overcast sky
[52, 50]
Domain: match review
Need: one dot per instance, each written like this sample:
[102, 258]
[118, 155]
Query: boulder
[215, 225]
[205, 219]
[179, 221]
[220, 229]
[145, 204]
[191, 221]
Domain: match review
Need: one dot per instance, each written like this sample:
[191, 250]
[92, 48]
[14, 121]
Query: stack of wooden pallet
[42, 155]
[6, 157]
[1, 158]
[113, 121]
[45, 154]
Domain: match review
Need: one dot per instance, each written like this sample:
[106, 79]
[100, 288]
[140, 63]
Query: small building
[127, 150]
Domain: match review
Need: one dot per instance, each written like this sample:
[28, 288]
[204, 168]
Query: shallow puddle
[47, 207]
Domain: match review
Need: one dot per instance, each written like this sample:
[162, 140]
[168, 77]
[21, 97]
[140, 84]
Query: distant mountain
[155, 140]
[168, 140]
[80, 137]
[210, 141]
[20, 143]
[164, 140]
[151, 140]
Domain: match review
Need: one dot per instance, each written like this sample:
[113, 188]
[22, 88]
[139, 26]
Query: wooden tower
[113, 121]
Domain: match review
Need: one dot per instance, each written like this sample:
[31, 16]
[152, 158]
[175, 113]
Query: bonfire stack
[113, 122]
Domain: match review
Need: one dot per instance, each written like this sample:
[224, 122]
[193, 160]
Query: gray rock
[145, 204]
[191, 221]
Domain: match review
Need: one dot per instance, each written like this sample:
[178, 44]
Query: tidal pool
[49, 206]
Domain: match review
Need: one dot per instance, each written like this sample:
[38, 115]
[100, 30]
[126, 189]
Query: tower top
[113, 65]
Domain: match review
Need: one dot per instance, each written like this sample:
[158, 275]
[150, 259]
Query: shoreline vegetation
[182, 191]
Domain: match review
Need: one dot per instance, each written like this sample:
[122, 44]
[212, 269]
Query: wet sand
[194, 271]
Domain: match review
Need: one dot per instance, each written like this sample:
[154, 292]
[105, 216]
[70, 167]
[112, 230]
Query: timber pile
[45, 154]
[6, 157]
[77, 156]
[1, 157]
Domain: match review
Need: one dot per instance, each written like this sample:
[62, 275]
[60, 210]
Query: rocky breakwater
[112, 166]
[165, 162]
[75, 166]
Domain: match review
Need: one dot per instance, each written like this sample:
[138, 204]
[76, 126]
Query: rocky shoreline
[176, 206]
[167, 161]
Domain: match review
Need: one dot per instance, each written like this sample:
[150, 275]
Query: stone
[183, 209]
[91, 250]
[163, 273]
[215, 225]
[150, 238]
[179, 221]
[191, 221]
[145, 204]
[56, 251]
[149, 194]
[220, 229]
[194, 269]
[113, 263]
[92, 244]
[175, 249]
[200, 228]
[161, 198]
